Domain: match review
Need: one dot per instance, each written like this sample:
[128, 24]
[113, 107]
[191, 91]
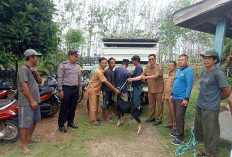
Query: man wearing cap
[121, 76]
[213, 88]
[153, 73]
[28, 80]
[70, 87]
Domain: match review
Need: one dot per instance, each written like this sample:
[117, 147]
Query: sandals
[26, 152]
[111, 121]
[200, 153]
[35, 140]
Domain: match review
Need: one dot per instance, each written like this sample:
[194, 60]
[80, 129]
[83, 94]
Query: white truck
[126, 48]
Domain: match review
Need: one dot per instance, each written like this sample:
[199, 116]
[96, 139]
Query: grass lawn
[76, 144]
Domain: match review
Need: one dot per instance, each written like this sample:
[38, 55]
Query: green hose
[186, 147]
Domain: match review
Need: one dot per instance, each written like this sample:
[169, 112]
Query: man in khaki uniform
[168, 83]
[153, 73]
[94, 90]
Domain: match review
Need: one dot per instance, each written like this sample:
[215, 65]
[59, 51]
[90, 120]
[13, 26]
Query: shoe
[177, 142]
[62, 129]
[167, 126]
[156, 123]
[99, 119]
[97, 124]
[149, 120]
[72, 125]
[173, 134]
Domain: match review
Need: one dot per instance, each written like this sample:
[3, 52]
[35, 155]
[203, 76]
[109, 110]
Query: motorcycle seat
[46, 90]
[4, 103]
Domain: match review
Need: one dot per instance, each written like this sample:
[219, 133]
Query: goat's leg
[119, 116]
[137, 118]
[122, 118]
[139, 128]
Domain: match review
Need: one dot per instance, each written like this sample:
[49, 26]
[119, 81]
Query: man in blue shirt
[121, 76]
[181, 92]
[137, 85]
[213, 87]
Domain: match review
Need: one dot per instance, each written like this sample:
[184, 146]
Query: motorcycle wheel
[80, 97]
[12, 130]
[54, 108]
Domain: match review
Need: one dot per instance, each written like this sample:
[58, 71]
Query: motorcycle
[51, 81]
[4, 88]
[84, 85]
[9, 129]
[49, 100]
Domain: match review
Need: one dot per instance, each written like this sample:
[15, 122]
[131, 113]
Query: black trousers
[179, 112]
[68, 104]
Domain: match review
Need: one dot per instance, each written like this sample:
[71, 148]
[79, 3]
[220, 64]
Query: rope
[185, 147]
[120, 88]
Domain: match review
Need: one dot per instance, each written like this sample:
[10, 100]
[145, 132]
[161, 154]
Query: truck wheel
[86, 74]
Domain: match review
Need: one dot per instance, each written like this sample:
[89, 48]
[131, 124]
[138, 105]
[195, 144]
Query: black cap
[125, 61]
[73, 52]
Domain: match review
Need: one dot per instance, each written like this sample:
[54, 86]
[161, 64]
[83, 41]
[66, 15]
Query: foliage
[227, 48]
[74, 38]
[176, 40]
[230, 81]
[6, 60]
[48, 65]
[27, 24]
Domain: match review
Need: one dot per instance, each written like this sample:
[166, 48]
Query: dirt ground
[146, 144]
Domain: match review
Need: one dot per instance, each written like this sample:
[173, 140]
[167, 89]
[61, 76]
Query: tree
[28, 24]
[74, 38]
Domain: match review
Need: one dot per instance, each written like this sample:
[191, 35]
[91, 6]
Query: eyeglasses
[151, 59]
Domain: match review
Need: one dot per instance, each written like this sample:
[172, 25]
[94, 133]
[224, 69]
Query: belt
[70, 86]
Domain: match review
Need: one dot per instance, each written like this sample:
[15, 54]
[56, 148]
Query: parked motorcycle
[84, 85]
[9, 129]
[49, 100]
[51, 81]
[4, 88]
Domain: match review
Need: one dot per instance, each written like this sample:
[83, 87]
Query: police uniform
[155, 89]
[168, 84]
[69, 81]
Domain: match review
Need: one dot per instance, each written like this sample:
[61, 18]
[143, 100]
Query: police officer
[70, 87]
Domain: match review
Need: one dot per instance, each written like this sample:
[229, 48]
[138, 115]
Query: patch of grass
[225, 146]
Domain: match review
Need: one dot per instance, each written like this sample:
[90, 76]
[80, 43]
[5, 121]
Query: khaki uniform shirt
[154, 85]
[95, 84]
[168, 83]
[69, 74]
